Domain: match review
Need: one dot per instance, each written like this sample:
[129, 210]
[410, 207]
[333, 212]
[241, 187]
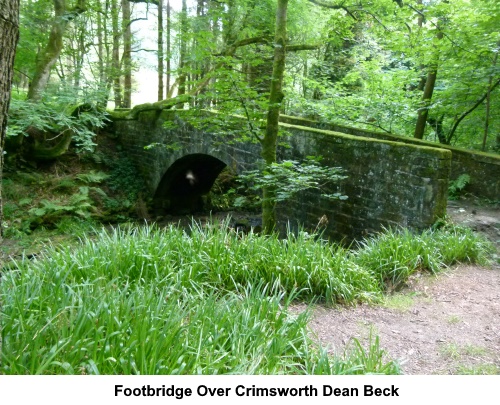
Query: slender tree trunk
[47, 57]
[420, 21]
[127, 55]
[160, 51]
[304, 83]
[270, 140]
[197, 66]
[182, 56]
[169, 27]
[9, 27]
[430, 83]
[487, 115]
[215, 9]
[488, 103]
[117, 89]
[100, 45]
[105, 52]
[79, 57]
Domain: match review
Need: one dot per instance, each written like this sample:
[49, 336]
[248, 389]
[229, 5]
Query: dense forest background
[427, 69]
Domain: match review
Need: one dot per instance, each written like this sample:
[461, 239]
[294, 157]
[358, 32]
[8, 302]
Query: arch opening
[184, 184]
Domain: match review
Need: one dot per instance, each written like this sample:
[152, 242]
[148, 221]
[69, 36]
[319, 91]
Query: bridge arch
[184, 183]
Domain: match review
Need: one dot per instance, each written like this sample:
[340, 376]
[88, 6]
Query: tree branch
[373, 16]
[301, 47]
[231, 49]
[334, 7]
[350, 11]
[155, 2]
[465, 113]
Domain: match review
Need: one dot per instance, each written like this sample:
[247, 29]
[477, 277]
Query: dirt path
[449, 324]
[445, 324]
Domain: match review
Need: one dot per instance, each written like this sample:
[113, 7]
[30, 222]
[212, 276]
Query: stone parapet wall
[483, 168]
[389, 183]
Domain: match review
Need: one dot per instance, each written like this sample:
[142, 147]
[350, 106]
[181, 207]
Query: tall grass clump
[217, 256]
[312, 268]
[135, 302]
[394, 254]
[60, 327]
[458, 244]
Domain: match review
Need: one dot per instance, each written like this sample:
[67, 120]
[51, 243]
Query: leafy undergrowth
[208, 301]
[67, 198]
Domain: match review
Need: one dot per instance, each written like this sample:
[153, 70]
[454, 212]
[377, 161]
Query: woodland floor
[444, 324]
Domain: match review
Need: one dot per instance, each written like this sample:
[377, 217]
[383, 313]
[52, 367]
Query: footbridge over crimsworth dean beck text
[389, 183]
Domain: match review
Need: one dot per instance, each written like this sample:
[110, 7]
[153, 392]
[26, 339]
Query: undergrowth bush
[51, 199]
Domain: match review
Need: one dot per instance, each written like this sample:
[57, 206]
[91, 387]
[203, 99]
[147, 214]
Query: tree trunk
[9, 27]
[103, 52]
[115, 64]
[47, 57]
[168, 47]
[488, 102]
[127, 55]
[430, 83]
[100, 45]
[160, 50]
[420, 22]
[79, 57]
[270, 140]
[423, 112]
[437, 124]
[182, 54]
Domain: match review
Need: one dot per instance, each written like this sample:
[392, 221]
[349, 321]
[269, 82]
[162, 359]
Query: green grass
[480, 369]
[208, 301]
[399, 302]
[454, 319]
[394, 255]
[218, 257]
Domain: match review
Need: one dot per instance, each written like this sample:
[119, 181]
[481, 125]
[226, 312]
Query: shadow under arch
[184, 183]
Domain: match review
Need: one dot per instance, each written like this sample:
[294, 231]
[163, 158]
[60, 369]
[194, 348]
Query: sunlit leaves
[290, 177]
[55, 114]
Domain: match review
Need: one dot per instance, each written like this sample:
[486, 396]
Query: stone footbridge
[390, 183]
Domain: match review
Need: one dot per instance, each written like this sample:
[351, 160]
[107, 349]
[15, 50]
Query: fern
[79, 204]
[25, 201]
[92, 177]
[458, 185]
